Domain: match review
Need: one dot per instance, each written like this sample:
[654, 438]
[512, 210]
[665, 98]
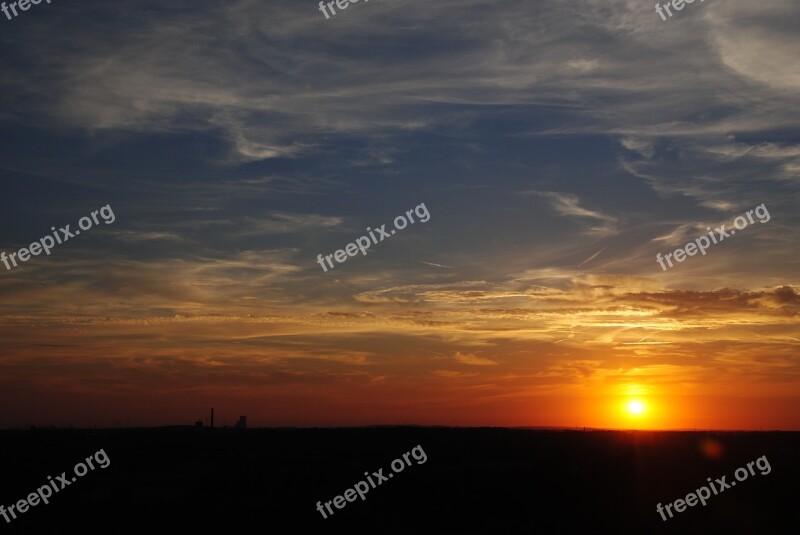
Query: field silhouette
[475, 480]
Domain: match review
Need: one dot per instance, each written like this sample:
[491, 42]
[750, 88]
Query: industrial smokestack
[212, 416]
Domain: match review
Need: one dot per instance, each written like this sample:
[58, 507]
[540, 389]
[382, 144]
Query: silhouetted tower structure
[242, 423]
[212, 417]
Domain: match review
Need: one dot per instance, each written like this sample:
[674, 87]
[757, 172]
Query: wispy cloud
[568, 205]
[473, 360]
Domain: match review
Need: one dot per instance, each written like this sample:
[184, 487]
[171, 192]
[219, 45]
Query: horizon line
[369, 426]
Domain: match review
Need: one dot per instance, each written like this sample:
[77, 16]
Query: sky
[557, 146]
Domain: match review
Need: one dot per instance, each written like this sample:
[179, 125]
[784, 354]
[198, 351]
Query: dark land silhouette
[475, 480]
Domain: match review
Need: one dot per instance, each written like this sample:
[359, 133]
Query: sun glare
[635, 407]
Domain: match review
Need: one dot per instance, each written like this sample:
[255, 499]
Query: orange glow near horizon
[476, 364]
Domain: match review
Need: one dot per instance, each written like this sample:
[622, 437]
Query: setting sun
[635, 407]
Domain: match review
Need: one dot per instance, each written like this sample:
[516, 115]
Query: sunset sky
[558, 146]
